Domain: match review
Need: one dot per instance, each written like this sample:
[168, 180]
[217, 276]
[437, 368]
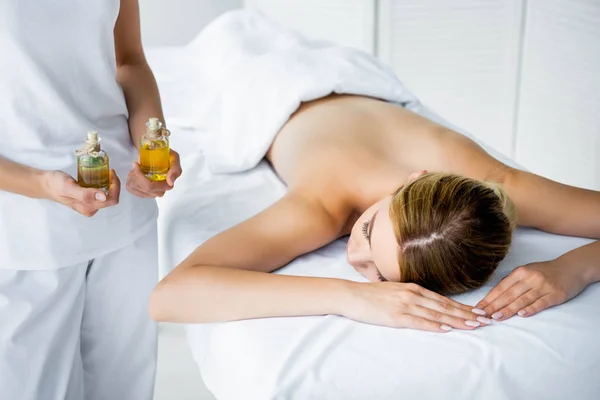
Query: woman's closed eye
[379, 276]
[365, 230]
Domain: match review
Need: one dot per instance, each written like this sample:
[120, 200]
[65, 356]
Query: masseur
[76, 265]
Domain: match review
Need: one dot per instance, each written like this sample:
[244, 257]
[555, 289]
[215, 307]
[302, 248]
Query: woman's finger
[445, 308]
[438, 297]
[500, 288]
[444, 318]
[423, 324]
[506, 298]
[519, 304]
[539, 305]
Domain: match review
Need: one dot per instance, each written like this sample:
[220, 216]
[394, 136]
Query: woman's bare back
[349, 151]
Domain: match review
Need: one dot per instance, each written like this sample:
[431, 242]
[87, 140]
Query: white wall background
[176, 22]
[521, 75]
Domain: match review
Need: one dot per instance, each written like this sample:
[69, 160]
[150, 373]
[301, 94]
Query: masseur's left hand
[532, 288]
[140, 186]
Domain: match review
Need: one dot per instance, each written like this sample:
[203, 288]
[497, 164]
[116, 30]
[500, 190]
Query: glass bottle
[155, 154]
[92, 164]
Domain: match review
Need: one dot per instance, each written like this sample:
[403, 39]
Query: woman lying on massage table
[356, 166]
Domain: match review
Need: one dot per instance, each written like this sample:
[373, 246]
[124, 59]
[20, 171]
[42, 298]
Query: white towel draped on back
[252, 75]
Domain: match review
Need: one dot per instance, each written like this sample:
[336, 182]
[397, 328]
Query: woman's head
[445, 232]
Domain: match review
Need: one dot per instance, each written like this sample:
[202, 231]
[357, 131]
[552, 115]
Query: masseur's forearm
[585, 260]
[192, 294]
[21, 179]
[141, 94]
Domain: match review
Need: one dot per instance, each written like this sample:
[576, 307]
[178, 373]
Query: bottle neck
[90, 147]
[156, 134]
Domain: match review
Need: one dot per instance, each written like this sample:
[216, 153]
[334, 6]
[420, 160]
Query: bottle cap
[92, 136]
[154, 124]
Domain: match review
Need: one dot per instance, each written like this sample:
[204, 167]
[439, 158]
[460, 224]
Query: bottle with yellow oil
[155, 154]
[92, 164]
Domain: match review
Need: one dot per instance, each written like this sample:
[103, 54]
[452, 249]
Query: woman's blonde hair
[452, 231]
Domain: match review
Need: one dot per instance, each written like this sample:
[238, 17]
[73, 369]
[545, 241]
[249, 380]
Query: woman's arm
[545, 205]
[227, 278]
[553, 207]
[541, 203]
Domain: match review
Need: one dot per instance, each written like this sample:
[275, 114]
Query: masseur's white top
[58, 81]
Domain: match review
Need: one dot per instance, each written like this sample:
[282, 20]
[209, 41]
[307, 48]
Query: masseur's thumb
[91, 195]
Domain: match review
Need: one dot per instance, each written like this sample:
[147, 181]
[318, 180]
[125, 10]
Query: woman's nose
[355, 256]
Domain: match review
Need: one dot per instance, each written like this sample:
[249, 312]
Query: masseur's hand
[532, 288]
[63, 189]
[140, 186]
[407, 305]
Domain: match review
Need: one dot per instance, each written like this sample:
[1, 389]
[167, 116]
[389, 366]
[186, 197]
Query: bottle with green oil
[155, 154]
[92, 164]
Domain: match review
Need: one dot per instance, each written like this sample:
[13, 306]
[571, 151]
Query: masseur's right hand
[407, 305]
[63, 189]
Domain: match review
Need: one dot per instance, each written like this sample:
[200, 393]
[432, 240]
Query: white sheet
[554, 355]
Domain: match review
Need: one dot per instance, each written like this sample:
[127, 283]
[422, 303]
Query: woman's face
[372, 247]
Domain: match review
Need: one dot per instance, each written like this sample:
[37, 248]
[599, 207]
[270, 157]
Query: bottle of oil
[155, 154]
[92, 164]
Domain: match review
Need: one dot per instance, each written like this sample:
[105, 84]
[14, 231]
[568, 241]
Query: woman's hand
[140, 186]
[63, 189]
[407, 305]
[532, 288]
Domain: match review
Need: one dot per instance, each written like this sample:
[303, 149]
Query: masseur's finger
[114, 190]
[142, 183]
[83, 209]
[175, 170]
[141, 194]
[138, 183]
[94, 198]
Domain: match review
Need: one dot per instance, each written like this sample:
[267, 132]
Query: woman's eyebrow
[371, 223]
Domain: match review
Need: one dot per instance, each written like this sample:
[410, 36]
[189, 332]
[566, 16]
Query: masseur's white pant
[80, 332]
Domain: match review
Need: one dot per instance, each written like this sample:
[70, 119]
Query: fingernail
[474, 324]
[478, 311]
[484, 320]
[497, 315]
[521, 313]
[446, 328]
[100, 197]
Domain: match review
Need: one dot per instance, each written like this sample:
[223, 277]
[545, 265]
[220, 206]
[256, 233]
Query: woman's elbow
[158, 306]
